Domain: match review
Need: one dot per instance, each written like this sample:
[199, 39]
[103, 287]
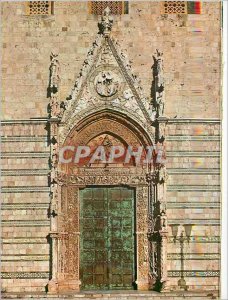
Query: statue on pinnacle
[106, 22]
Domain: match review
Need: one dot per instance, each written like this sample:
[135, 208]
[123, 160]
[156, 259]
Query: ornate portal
[102, 213]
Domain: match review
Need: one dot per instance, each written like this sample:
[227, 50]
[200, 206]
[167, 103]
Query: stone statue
[106, 22]
[54, 73]
[163, 221]
[152, 112]
[53, 175]
[158, 71]
[163, 176]
[158, 84]
[54, 85]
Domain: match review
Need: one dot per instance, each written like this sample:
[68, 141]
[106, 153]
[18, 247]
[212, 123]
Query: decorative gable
[106, 82]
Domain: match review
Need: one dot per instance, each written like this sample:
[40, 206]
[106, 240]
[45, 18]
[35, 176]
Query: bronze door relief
[107, 244]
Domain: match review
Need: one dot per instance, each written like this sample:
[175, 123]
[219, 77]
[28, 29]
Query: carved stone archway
[92, 110]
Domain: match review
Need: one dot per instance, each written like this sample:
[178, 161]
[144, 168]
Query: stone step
[117, 295]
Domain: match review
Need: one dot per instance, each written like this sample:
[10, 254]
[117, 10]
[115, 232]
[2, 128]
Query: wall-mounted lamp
[184, 235]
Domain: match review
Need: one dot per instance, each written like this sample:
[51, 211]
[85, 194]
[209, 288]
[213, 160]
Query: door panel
[107, 238]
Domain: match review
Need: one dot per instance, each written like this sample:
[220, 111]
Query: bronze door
[107, 255]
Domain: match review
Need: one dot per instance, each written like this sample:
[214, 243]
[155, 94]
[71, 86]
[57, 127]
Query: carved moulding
[65, 243]
[107, 177]
[106, 120]
[141, 237]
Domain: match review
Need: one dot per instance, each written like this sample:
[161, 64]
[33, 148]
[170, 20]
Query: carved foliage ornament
[111, 179]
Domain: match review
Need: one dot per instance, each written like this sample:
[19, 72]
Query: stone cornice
[25, 121]
[38, 121]
[191, 120]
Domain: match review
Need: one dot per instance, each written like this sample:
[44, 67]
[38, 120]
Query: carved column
[153, 243]
[163, 274]
[53, 88]
[69, 246]
[74, 232]
[141, 238]
[53, 283]
[55, 235]
[162, 225]
[65, 243]
[53, 209]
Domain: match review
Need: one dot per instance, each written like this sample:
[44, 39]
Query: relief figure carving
[106, 83]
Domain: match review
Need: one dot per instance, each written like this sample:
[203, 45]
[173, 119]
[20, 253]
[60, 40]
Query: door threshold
[110, 294]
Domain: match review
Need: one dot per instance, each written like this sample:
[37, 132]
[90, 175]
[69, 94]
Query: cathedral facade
[111, 146]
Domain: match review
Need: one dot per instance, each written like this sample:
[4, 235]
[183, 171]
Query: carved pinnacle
[106, 22]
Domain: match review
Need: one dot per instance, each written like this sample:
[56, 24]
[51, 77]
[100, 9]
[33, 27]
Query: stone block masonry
[192, 72]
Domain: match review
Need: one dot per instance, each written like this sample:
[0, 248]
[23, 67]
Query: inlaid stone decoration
[39, 7]
[116, 7]
[181, 7]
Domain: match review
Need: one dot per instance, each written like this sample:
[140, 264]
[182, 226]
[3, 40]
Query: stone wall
[25, 193]
[191, 46]
[193, 197]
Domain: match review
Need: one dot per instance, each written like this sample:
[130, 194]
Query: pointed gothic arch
[106, 98]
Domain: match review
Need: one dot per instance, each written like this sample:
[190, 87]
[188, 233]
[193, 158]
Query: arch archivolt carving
[70, 179]
[104, 126]
[128, 132]
[65, 129]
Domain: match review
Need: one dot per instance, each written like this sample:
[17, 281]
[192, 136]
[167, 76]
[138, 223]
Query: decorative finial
[106, 22]
[159, 54]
